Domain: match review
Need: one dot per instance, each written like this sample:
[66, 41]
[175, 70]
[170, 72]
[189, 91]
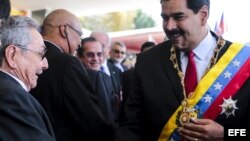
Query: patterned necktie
[190, 79]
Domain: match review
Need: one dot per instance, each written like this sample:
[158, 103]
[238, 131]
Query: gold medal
[186, 113]
[184, 118]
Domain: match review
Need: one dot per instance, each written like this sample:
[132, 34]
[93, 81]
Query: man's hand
[202, 130]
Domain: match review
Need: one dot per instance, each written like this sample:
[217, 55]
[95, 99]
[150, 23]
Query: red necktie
[190, 79]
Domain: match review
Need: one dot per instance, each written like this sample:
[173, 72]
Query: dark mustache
[174, 32]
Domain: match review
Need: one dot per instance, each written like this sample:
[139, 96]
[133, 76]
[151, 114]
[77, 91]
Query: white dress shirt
[203, 53]
[105, 67]
[118, 65]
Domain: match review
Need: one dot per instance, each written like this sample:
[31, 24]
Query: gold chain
[213, 60]
[185, 115]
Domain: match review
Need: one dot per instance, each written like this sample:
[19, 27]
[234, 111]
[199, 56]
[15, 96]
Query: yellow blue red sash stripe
[210, 87]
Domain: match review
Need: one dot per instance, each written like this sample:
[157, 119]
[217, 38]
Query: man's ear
[204, 14]
[63, 31]
[11, 56]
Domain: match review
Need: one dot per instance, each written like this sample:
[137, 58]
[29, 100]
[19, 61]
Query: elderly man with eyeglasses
[22, 60]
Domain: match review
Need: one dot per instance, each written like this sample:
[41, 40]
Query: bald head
[104, 39]
[63, 29]
[59, 17]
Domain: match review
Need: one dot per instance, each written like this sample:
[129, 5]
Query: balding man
[64, 90]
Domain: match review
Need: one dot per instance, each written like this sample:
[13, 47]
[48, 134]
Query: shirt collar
[105, 67]
[18, 80]
[207, 44]
[104, 64]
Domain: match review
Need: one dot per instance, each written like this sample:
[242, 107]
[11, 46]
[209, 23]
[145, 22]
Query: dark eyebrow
[179, 14]
[172, 15]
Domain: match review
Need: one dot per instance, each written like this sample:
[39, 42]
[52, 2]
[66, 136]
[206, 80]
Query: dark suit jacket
[22, 118]
[127, 83]
[157, 92]
[116, 77]
[103, 88]
[65, 92]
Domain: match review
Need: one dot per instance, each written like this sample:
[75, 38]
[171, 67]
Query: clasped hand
[202, 130]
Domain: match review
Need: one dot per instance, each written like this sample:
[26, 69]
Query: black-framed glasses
[39, 53]
[93, 54]
[78, 32]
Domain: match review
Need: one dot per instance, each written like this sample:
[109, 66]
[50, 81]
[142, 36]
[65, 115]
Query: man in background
[91, 55]
[118, 54]
[147, 45]
[110, 69]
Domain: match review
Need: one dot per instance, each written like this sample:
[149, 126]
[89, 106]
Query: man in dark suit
[91, 55]
[160, 107]
[103, 88]
[116, 79]
[109, 68]
[22, 59]
[118, 54]
[65, 90]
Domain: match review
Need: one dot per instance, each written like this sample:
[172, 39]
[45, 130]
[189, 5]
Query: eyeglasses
[92, 54]
[78, 32]
[41, 54]
[118, 52]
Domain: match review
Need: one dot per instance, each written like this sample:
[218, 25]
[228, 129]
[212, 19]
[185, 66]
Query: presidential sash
[219, 84]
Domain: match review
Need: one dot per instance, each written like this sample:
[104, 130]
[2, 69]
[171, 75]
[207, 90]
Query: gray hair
[118, 43]
[15, 30]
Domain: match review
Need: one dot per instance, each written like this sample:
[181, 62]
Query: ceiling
[85, 7]
[95, 7]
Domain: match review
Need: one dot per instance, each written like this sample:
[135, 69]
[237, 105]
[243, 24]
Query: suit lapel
[170, 71]
[107, 82]
[113, 77]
